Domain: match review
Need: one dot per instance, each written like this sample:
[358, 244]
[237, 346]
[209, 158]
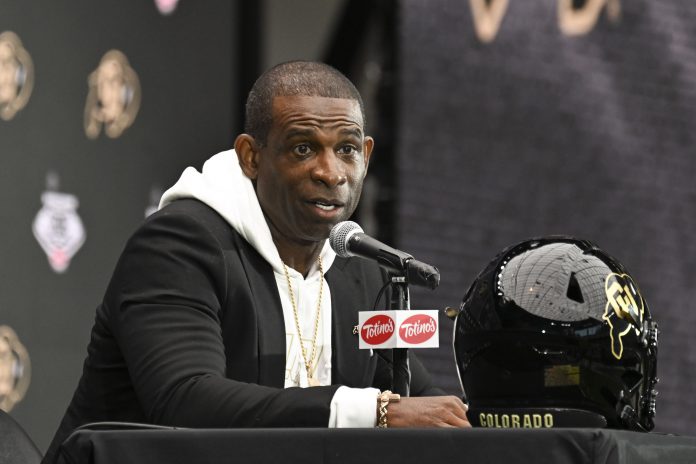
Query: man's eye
[302, 150]
[347, 150]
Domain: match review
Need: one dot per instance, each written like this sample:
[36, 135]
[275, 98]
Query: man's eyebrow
[353, 131]
[299, 133]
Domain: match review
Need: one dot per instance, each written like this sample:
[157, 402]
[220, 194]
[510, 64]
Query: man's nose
[329, 169]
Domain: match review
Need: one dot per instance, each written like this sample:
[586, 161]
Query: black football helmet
[555, 333]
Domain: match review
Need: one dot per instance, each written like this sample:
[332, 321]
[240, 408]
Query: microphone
[348, 239]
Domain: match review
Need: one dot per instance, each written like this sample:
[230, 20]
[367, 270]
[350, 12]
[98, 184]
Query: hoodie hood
[223, 186]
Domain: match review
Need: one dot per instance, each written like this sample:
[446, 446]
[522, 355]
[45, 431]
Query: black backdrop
[549, 128]
[184, 62]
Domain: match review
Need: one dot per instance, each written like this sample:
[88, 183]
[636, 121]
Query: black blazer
[191, 333]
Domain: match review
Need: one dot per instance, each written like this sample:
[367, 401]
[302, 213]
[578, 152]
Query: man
[232, 284]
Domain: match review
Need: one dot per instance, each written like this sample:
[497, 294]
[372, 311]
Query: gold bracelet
[384, 398]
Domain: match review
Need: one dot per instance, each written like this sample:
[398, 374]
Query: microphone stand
[401, 371]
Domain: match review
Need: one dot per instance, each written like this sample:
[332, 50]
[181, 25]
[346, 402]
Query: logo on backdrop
[16, 75]
[15, 371]
[624, 310]
[166, 6]
[487, 14]
[58, 228]
[574, 17]
[114, 96]
[579, 20]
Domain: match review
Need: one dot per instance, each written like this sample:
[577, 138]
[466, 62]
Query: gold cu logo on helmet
[16, 75]
[114, 96]
[14, 369]
[624, 309]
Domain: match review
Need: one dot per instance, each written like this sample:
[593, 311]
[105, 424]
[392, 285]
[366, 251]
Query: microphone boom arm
[395, 261]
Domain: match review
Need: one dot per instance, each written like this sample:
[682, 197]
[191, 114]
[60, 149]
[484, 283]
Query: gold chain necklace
[308, 363]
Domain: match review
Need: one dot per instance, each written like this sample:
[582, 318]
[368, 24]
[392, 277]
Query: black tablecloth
[365, 446]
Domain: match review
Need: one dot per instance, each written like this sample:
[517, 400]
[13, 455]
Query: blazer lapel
[350, 366]
[269, 318]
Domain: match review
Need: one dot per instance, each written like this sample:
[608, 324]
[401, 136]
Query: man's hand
[427, 411]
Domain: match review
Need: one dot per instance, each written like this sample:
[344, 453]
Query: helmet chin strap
[649, 403]
[649, 340]
[629, 418]
[627, 413]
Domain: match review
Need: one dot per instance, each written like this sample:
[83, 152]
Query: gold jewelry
[384, 399]
[308, 364]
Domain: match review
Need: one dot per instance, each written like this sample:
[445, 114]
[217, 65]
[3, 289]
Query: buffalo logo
[114, 96]
[377, 329]
[58, 229]
[15, 372]
[16, 75]
[418, 329]
[624, 309]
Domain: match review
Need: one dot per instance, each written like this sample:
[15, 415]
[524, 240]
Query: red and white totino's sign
[377, 329]
[418, 329]
[415, 329]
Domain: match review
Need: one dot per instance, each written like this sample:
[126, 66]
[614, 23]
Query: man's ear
[248, 154]
[368, 145]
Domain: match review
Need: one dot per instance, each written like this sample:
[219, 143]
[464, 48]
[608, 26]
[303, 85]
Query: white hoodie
[223, 186]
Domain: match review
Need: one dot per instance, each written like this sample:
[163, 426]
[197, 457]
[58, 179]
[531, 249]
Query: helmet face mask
[556, 328]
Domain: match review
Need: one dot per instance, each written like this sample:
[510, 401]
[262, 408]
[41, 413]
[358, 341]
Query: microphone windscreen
[338, 238]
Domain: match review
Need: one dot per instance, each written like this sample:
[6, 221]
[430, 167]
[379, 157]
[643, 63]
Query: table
[378, 446]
